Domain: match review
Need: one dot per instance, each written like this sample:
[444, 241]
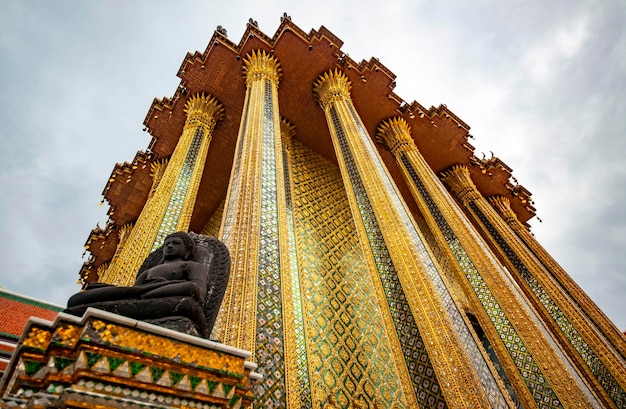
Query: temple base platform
[103, 360]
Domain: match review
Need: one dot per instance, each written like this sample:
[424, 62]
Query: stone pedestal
[108, 361]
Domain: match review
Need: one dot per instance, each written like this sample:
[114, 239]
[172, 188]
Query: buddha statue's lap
[174, 278]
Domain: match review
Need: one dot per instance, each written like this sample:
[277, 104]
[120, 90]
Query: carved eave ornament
[127, 188]
[493, 177]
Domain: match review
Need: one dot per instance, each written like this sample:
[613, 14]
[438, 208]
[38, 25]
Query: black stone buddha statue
[179, 286]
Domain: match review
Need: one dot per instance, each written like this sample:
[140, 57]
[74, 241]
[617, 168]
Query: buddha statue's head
[178, 245]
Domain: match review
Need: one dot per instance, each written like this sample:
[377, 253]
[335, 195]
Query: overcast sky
[542, 84]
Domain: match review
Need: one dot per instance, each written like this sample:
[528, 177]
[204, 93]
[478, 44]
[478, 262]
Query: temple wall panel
[348, 347]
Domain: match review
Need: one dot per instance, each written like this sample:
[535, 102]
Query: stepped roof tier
[440, 135]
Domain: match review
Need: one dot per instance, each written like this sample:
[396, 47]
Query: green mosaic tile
[32, 367]
[176, 377]
[227, 388]
[135, 368]
[211, 385]
[156, 373]
[194, 381]
[92, 358]
[114, 362]
[60, 363]
[234, 400]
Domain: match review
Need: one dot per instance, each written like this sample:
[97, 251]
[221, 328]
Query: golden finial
[331, 86]
[394, 133]
[259, 64]
[205, 107]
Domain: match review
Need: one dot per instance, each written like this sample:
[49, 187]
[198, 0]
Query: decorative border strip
[269, 332]
[27, 300]
[304, 382]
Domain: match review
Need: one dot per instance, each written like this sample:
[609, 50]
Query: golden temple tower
[376, 262]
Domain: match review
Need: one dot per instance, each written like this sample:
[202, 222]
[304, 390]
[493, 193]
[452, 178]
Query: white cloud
[546, 56]
[541, 83]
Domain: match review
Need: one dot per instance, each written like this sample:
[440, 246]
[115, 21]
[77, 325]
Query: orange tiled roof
[16, 310]
[6, 348]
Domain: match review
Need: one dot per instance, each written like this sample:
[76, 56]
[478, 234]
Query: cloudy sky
[542, 84]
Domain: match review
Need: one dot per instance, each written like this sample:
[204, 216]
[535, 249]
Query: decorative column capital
[503, 207]
[157, 167]
[287, 129]
[203, 110]
[261, 65]
[395, 134]
[460, 182]
[331, 86]
[124, 231]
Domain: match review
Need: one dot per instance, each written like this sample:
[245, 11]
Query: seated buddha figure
[175, 275]
[179, 286]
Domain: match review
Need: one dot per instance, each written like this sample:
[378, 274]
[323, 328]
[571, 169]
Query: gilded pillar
[252, 312]
[169, 207]
[593, 358]
[577, 296]
[417, 311]
[494, 299]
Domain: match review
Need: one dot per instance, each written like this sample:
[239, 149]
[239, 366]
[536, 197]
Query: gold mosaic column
[169, 207]
[591, 340]
[591, 355]
[597, 317]
[253, 229]
[397, 253]
[502, 308]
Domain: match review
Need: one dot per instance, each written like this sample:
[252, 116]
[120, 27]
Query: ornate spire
[203, 110]
[331, 86]
[259, 64]
[459, 180]
[395, 134]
